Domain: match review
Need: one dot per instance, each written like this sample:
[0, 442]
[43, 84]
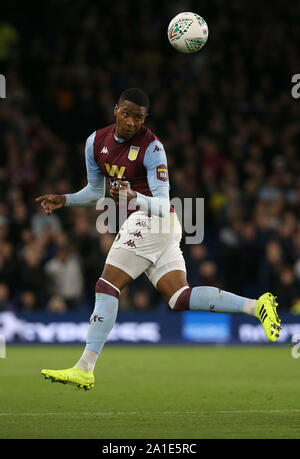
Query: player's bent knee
[103, 286]
[180, 301]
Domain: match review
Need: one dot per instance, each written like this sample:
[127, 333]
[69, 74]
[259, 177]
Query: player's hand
[122, 187]
[51, 202]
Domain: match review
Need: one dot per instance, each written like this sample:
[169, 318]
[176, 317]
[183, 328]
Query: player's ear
[116, 109]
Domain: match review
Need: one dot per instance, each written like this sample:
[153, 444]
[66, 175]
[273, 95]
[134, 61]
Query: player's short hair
[137, 96]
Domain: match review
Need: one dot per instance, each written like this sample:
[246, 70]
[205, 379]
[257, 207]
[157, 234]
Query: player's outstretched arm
[51, 202]
[86, 197]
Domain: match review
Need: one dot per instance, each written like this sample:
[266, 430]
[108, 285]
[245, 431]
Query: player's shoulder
[89, 146]
[102, 132]
[96, 139]
[90, 139]
[148, 136]
[155, 154]
[95, 135]
[152, 142]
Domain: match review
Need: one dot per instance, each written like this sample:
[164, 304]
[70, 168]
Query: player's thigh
[168, 275]
[116, 276]
[170, 283]
[122, 266]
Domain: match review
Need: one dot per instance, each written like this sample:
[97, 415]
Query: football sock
[87, 361]
[211, 299]
[250, 307]
[214, 299]
[101, 323]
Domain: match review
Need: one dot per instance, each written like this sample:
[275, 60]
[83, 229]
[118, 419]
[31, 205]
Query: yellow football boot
[80, 378]
[266, 312]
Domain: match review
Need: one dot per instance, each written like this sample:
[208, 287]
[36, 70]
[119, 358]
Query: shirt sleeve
[155, 162]
[95, 188]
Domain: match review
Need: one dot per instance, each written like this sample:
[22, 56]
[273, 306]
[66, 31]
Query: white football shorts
[149, 244]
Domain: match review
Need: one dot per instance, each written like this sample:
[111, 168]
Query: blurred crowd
[225, 115]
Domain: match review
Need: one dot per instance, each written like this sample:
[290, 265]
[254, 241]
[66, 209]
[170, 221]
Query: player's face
[129, 119]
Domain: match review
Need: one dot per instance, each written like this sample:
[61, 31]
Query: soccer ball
[188, 32]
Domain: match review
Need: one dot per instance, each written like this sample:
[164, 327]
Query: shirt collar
[119, 139]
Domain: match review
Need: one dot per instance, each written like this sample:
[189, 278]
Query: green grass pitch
[153, 393]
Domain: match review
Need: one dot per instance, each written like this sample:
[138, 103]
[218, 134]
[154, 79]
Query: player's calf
[217, 300]
[208, 299]
[100, 324]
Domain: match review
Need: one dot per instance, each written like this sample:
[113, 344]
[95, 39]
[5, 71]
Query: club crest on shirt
[133, 152]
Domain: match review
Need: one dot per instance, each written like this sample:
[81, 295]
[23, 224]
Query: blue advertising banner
[143, 327]
[206, 327]
[155, 327]
[248, 330]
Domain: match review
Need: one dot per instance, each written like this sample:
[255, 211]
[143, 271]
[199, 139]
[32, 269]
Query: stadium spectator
[5, 302]
[287, 289]
[271, 265]
[125, 301]
[28, 302]
[8, 266]
[30, 275]
[57, 305]
[141, 300]
[40, 222]
[208, 272]
[64, 276]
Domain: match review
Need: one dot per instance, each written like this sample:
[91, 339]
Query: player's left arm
[155, 162]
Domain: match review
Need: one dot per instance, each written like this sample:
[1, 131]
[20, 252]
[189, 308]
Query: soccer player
[133, 160]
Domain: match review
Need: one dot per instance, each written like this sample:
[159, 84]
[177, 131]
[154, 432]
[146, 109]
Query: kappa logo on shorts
[137, 234]
[142, 223]
[130, 243]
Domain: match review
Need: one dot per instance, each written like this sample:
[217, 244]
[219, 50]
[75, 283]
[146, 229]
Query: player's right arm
[89, 195]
